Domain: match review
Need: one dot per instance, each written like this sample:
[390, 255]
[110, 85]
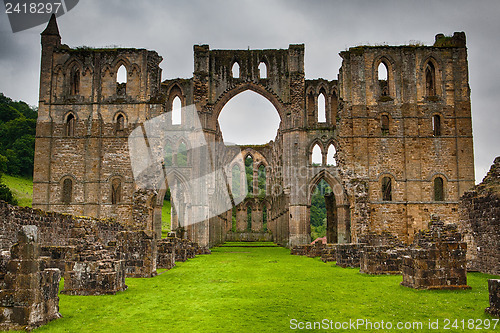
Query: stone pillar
[29, 296]
[494, 289]
[257, 219]
[241, 218]
[298, 232]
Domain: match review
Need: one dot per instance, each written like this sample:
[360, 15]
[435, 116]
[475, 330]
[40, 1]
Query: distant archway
[241, 119]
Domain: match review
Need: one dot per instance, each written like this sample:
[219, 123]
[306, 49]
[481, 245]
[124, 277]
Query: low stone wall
[54, 229]
[349, 255]
[29, 293]
[329, 253]
[139, 250]
[381, 260]
[494, 289]
[436, 259]
[166, 253]
[94, 270]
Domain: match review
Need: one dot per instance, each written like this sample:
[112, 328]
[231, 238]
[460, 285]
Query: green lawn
[165, 218]
[261, 289]
[22, 188]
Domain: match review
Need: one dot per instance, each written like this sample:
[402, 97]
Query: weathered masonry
[395, 149]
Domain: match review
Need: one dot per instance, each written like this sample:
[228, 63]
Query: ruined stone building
[394, 150]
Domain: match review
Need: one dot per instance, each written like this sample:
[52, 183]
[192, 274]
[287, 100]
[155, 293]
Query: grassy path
[260, 289]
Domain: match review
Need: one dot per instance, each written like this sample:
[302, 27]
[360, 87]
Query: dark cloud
[326, 27]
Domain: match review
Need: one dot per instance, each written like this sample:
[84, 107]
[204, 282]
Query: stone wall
[349, 255]
[381, 260]
[55, 229]
[480, 223]
[139, 250]
[436, 259]
[29, 293]
[94, 270]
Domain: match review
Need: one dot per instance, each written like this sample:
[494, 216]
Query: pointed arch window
[70, 125]
[430, 79]
[387, 189]
[67, 191]
[167, 155]
[120, 123]
[235, 70]
[310, 106]
[384, 124]
[383, 78]
[235, 186]
[316, 156]
[121, 81]
[330, 157]
[176, 111]
[182, 158]
[436, 125]
[438, 189]
[321, 107]
[249, 173]
[262, 179]
[75, 81]
[263, 70]
[116, 191]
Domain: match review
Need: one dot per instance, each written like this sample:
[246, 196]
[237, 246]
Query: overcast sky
[325, 27]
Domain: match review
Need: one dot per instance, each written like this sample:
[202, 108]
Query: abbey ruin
[401, 146]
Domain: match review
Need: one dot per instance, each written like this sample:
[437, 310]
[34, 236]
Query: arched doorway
[327, 200]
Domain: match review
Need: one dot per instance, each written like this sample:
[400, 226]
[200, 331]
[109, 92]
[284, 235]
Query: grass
[260, 289]
[22, 188]
[165, 218]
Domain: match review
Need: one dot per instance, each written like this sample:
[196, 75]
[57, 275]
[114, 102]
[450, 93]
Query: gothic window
[249, 173]
[121, 81]
[67, 191]
[310, 107]
[262, 70]
[236, 70]
[383, 74]
[182, 157]
[116, 191]
[262, 179]
[387, 189]
[167, 154]
[436, 125]
[321, 108]
[330, 157]
[316, 156]
[236, 174]
[430, 79]
[75, 81]
[384, 120]
[176, 111]
[70, 125]
[120, 123]
[438, 189]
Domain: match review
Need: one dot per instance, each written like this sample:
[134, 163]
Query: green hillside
[21, 187]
